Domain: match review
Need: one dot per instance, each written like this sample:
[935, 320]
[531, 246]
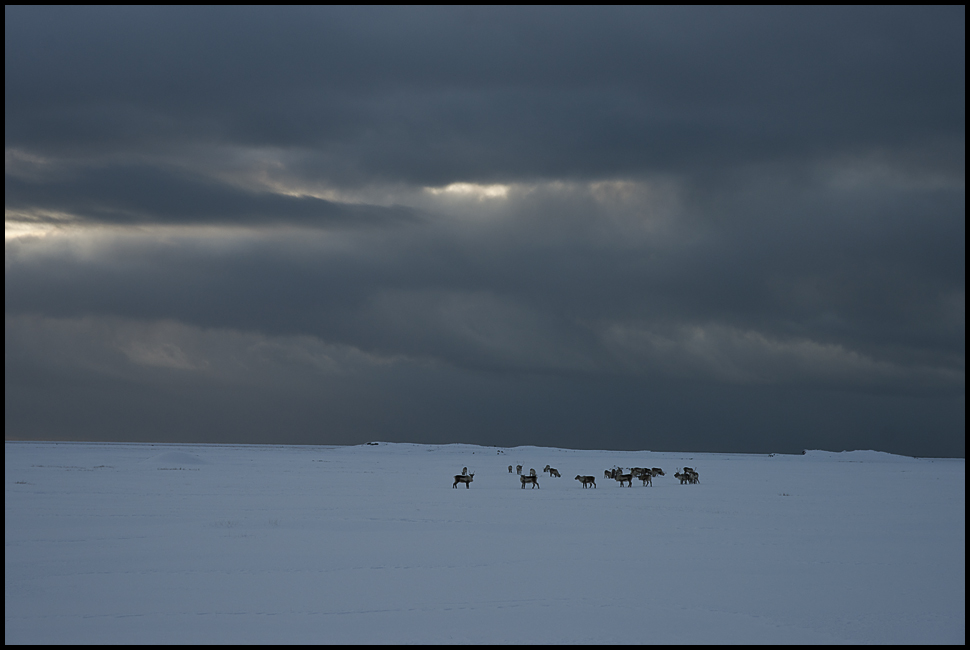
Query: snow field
[125, 543]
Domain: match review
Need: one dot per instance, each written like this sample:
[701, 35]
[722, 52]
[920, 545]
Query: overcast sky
[673, 229]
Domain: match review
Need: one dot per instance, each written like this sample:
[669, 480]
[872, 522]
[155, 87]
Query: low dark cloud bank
[670, 229]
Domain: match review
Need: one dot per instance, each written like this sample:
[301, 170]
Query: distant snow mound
[856, 456]
[176, 458]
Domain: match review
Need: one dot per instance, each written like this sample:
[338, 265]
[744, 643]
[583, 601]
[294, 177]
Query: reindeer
[586, 480]
[464, 471]
[642, 473]
[647, 475]
[554, 472]
[461, 478]
[532, 472]
[529, 479]
[627, 478]
[546, 468]
[510, 469]
[518, 470]
[688, 476]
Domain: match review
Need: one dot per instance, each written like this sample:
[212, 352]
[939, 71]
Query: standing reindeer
[586, 480]
[529, 479]
[461, 478]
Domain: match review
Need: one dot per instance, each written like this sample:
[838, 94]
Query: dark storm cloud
[430, 96]
[140, 194]
[720, 229]
[114, 380]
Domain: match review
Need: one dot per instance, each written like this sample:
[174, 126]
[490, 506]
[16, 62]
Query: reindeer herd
[686, 476]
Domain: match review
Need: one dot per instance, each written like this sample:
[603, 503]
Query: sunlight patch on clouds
[471, 191]
[35, 223]
[21, 229]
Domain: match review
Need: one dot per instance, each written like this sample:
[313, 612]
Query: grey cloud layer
[122, 380]
[431, 96]
[729, 229]
[445, 288]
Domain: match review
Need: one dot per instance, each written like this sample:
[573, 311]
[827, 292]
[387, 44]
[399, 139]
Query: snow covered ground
[120, 543]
